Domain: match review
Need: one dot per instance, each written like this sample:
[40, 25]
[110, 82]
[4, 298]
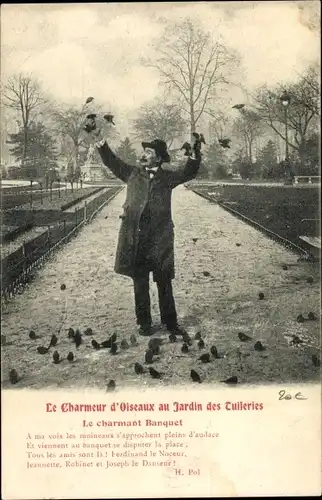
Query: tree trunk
[192, 120]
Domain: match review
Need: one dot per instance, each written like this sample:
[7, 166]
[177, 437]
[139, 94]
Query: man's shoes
[177, 330]
[146, 330]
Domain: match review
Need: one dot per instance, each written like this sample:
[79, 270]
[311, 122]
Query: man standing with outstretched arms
[146, 237]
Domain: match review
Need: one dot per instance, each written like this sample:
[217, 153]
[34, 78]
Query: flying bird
[109, 118]
[195, 376]
[13, 376]
[225, 143]
[89, 99]
[70, 357]
[230, 380]
[154, 373]
[111, 386]
[138, 369]
[238, 106]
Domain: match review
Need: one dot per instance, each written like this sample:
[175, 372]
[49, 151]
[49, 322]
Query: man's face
[149, 158]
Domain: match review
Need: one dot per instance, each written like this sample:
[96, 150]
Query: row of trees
[194, 70]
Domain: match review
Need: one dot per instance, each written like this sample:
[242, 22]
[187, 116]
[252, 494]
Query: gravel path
[241, 262]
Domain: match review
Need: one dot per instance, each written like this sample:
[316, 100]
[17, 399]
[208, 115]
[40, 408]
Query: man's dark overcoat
[153, 195]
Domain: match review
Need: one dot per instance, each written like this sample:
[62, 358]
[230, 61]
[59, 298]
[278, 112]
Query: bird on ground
[238, 244]
[201, 344]
[108, 343]
[205, 358]
[238, 106]
[3, 340]
[154, 373]
[133, 340]
[296, 340]
[187, 339]
[63, 286]
[42, 350]
[156, 350]
[138, 369]
[56, 357]
[230, 380]
[149, 356]
[243, 337]
[300, 318]
[77, 338]
[95, 344]
[310, 280]
[259, 346]
[206, 273]
[32, 335]
[70, 356]
[156, 342]
[53, 341]
[195, 376]
[124, 344]
[89, 99]
[284, 267]
[71, 333]
[113, 349]
[109, 118]
[88, 331]
[195, 240]
[315, 360]
[185, 348]
[225, 143]
[214, 352]
[111, 386]
[13, 376]
[172, 338]
[312, 316]
[261, 296]
[198, 336]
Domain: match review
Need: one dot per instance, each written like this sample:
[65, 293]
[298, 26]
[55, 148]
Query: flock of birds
[153, 349]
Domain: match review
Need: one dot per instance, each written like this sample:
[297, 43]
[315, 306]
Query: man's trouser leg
[166, 303]
[142, 300]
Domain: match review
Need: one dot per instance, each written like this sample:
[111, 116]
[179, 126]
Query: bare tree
[248, 128]
[23, 94]
[158, 119]
[192, 65]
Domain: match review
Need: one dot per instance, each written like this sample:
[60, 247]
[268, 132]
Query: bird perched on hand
[238, 106]
[56, 358]
[154, 373]
[230, 380]
[225, 143]
[13, 376]
[42, 350]
[149, 356]
[53, 341]
[243, 337]
[195, 376]
[205, 358]
[113, 349]
[109, 118]
[77, 338]
[70, 357]
[138, 369]
[124, 345]
[201, 344]
[111, 386]
[95, 344]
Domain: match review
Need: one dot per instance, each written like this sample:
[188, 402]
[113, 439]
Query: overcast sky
[95, 49]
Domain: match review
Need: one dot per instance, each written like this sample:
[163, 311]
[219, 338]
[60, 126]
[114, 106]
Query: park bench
[309, 179]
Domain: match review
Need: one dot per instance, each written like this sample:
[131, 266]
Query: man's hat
[160, 147]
